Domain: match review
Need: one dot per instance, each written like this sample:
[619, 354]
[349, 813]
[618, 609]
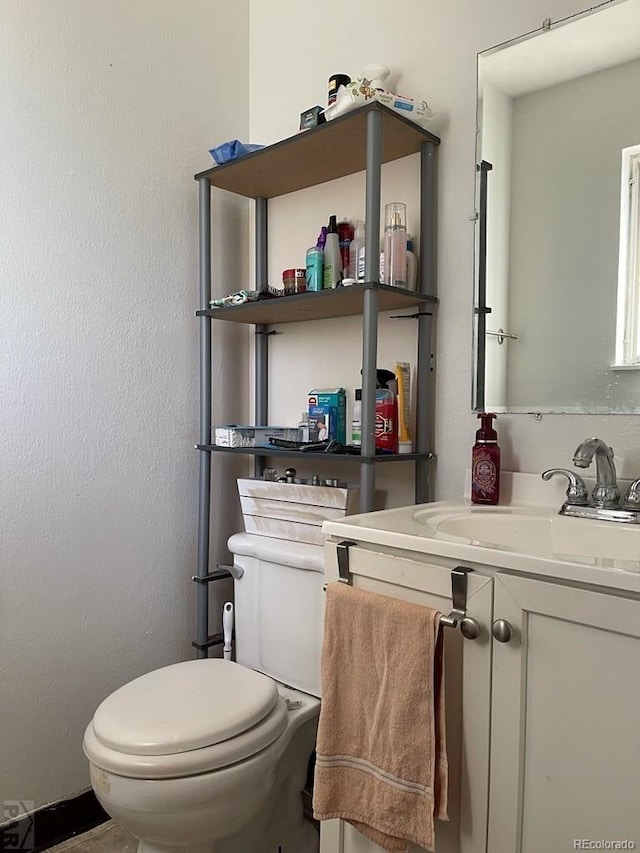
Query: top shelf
[323, 153]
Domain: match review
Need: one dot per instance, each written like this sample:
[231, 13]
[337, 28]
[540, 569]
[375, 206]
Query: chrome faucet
[605, 503]
[606, 493]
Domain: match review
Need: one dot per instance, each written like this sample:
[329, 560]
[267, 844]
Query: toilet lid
[184, 707]
[250, 745]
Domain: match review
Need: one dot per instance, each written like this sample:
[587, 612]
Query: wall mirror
[557, 295]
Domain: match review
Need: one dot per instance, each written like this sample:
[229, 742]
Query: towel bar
[469, 627]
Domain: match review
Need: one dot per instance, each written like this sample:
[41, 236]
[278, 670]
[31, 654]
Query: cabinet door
[467, 684]
[565, 728]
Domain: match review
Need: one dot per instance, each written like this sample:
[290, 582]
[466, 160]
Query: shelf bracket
[222, 572]
[411, 316]
[213, 640]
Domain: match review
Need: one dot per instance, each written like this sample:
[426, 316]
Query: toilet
[211, 756]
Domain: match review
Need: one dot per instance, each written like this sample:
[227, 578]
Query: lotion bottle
[412, 266]
[485, 463]
[315, 262]
[356, 419]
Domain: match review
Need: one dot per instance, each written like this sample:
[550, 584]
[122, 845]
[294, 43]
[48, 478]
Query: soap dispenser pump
[485, 463]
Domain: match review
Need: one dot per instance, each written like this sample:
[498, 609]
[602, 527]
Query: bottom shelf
[297, 454]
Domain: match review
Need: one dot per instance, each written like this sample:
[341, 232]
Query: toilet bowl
[205, 755]
[211, 756]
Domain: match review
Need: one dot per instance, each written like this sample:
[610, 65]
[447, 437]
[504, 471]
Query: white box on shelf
[234, 435]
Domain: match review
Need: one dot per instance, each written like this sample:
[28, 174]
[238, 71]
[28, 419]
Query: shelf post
[261, 342]
[426, 286]
[204, 479]
[370, 308]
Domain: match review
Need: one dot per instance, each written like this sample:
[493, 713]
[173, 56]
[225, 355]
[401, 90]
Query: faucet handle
[632, 498]
[577, 494]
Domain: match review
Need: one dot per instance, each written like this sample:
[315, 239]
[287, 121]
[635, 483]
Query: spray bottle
[345, 236]
[315, 262]
[386, 419]
[332, 257]
[485, 463]
[395, 244]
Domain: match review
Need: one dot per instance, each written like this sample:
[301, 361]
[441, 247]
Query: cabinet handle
[502, 631]
[469, 628]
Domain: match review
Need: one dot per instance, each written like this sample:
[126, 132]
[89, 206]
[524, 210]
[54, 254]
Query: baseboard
[52, 824]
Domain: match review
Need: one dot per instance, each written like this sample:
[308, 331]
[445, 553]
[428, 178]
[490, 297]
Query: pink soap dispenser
[485, 463]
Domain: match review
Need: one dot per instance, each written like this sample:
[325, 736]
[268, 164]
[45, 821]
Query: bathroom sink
[537, 532]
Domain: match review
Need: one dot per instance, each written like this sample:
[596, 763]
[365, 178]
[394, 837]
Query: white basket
[293, 511]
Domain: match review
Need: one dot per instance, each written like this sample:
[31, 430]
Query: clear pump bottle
[395, 244]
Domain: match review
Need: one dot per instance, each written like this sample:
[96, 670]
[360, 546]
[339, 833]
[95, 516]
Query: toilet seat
[185, 719]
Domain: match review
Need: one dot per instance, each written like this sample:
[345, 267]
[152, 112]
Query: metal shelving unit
[361, 140]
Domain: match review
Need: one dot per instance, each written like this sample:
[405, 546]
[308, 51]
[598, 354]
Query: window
[628, 314]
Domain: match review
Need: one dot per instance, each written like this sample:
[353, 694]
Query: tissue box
[234, 435]
[293, 511]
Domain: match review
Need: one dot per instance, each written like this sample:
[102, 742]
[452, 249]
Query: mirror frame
[482, 168]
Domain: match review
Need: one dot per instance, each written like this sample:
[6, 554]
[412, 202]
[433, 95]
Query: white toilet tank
[279, 608]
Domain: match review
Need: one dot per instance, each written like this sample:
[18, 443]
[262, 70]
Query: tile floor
[106, 838]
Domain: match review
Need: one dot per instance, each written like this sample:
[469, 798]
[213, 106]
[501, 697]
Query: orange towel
[381, 760]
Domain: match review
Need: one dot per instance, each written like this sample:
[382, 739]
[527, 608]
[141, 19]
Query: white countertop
[523, 494]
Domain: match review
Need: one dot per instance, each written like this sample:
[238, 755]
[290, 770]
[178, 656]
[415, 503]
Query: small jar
[294, 281]
[335, 81]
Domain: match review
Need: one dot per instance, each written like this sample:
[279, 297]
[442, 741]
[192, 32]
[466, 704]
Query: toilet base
[306, 841]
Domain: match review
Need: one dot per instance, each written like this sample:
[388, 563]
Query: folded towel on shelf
[381, 759]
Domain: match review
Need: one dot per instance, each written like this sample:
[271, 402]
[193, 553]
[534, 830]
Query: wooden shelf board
[314, 156]
[321, 305]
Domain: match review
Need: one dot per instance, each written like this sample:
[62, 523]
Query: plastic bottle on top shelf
[345, 236]
[356, 253]
[332, 256]
[395, 244]
[412, 266]
[315, 263]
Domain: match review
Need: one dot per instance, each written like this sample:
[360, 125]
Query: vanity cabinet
[565, 717]
[543, 725]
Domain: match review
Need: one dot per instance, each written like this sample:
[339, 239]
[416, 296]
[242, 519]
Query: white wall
[107, 110]
[432, 46]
